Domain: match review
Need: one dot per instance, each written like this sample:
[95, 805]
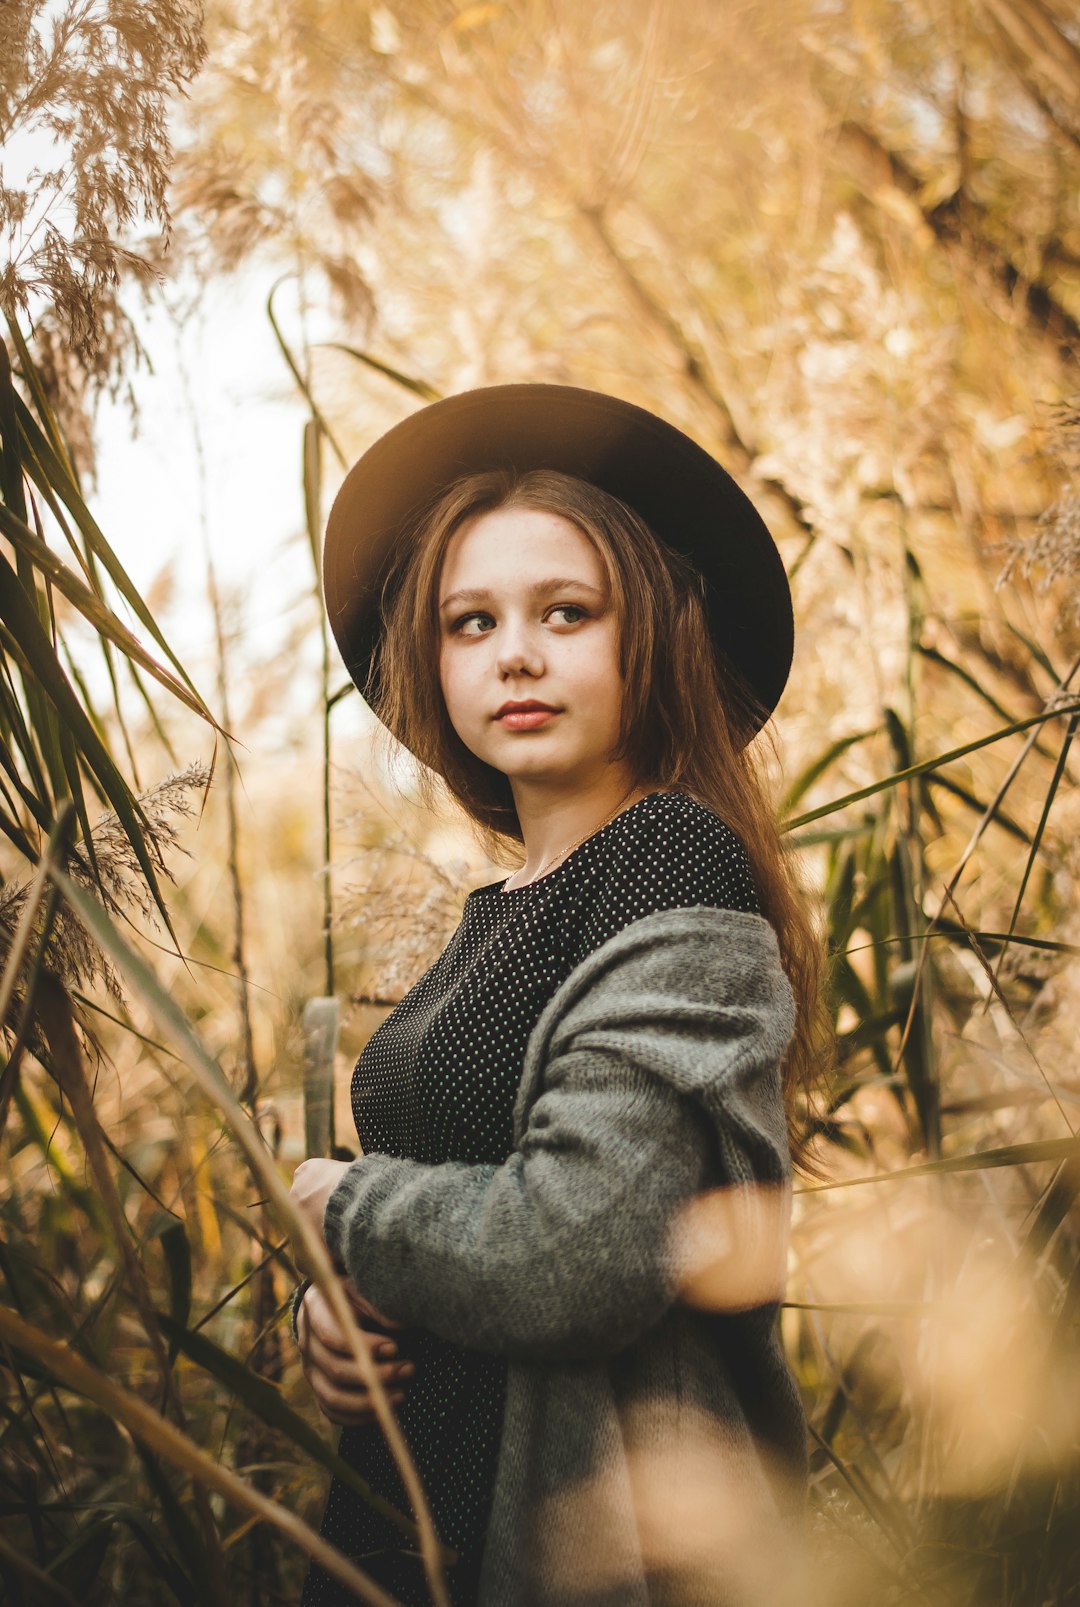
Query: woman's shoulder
[674, 811]
[680, 836]
[667, 851]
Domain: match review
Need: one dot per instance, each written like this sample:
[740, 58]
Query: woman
[566, 1229]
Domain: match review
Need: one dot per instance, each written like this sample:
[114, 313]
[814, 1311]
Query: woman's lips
[525, 719]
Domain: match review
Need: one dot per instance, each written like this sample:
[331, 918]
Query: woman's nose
[519, 652]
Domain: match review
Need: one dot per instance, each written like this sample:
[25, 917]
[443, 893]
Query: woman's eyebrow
[539, 588]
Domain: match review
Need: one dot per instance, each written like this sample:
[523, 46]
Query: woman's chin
[557, 779]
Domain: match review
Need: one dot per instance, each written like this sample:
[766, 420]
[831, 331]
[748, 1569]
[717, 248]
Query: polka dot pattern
[437, 1083]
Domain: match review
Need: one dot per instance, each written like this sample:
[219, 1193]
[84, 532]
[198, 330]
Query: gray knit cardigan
[651, 1453]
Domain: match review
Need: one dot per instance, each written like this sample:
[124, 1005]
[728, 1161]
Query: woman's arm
[659, 1077]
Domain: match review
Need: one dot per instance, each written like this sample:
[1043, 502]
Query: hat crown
[682, 493]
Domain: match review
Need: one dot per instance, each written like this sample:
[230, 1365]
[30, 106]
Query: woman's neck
[554, 822]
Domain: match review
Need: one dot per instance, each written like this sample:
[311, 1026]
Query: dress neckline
[500, 890]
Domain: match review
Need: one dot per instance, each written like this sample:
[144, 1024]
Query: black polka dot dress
[437, 1082]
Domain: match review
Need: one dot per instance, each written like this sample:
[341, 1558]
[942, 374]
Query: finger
[323, 1322]
[362, 1417]
[346, 1397]
[333, 1340]
[337, 1401]
[343, 1370]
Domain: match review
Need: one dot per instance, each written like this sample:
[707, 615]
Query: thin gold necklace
[564, 853]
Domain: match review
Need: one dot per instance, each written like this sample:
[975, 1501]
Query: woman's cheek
[450, 683]
[463, 697]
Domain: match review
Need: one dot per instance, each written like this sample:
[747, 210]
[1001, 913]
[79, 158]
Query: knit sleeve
[659, 1076]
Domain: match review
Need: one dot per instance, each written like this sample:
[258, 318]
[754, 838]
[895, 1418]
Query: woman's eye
[479, 624]
[472, 624]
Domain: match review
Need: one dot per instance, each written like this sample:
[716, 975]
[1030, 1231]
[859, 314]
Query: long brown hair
[686, 721]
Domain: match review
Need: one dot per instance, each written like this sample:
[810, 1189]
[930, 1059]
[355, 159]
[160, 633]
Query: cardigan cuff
[340, 1207]
[336, 1210]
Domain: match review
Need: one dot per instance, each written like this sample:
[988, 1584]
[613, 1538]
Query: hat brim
[682, 493]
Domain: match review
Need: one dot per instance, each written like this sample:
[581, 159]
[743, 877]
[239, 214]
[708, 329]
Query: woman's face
[529, 647]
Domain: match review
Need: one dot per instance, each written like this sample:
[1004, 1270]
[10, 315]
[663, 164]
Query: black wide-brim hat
[682, 493]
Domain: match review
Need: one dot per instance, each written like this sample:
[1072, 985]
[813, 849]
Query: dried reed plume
[115, 877]
[1052, 556]
[85, 91]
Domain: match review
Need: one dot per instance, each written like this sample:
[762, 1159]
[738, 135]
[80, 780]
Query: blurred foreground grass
[932, 1319]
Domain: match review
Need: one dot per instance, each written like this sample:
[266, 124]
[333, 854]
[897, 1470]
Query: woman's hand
[313, 1183]
[330, 1367]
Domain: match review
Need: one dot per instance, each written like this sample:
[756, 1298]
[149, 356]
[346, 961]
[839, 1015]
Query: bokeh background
[838, 242]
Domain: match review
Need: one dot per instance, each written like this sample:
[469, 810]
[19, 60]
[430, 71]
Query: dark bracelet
[297, 1301]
